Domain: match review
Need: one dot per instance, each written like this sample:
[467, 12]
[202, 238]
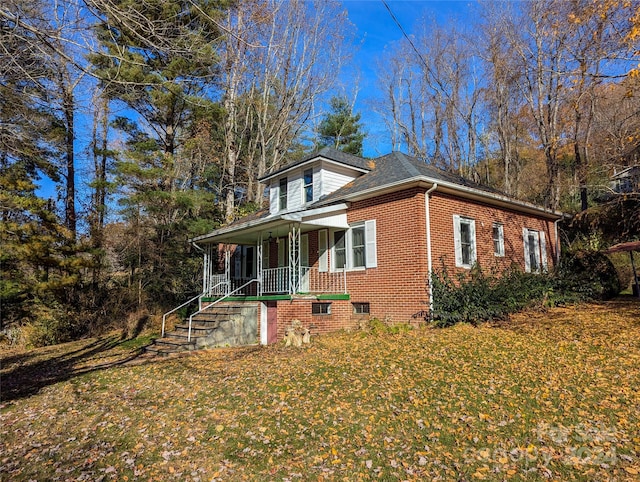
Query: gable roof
[397, 167]
[326, 153]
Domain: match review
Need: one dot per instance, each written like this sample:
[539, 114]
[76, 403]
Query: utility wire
[435, 78]
[415, 49]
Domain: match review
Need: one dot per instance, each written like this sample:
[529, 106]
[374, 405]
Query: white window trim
[500, 252]
[333, 249]
[370, 247]
[304, 187]
[541, 253]
[286, 196]
[359, 226]
[457, 221]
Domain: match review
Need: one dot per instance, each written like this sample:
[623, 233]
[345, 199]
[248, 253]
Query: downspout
[196, 246]
[429, 262]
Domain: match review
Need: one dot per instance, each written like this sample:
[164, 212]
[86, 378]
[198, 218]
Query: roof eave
[456, 189]
[224, 233]
[280, 172]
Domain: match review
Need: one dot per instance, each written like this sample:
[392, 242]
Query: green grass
[545, 396]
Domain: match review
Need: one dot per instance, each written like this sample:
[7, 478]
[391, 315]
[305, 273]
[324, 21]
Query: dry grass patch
[550, 395]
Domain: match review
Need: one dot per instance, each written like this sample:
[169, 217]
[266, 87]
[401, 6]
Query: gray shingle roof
[327, 153]
[382, 172]
[394, 168]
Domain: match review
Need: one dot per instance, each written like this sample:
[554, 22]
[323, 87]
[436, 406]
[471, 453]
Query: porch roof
[248, 229]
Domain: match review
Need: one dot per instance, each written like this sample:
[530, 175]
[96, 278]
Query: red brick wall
[396, 289]
[442, 209]
[341, 316]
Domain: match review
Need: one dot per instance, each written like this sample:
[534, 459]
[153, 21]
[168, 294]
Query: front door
[304, 263]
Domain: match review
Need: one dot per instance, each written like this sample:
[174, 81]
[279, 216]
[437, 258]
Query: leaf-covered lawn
[552, 395]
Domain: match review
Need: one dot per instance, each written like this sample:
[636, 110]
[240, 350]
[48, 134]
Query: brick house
[345, 238]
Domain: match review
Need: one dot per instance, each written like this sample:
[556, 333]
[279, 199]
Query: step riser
[178, 344]
[214, 317]
[194, 334]
[202, 325]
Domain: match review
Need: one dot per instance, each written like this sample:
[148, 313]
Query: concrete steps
[202, 326]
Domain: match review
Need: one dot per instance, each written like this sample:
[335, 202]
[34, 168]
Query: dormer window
[308, 186]
[283, 194]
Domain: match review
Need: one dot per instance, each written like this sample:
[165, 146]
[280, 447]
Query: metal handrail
[215, 302]
[164, 317]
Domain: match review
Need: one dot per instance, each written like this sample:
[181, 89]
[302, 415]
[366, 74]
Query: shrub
[379, 327]
[590, 274]
[475, 296]
[51, 324]
[622, 263]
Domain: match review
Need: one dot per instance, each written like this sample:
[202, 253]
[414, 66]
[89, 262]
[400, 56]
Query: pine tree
[162, 73]
[39, 259]
[341, 128]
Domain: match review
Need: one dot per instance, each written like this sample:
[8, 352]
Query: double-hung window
[283, 194]
[339, 249]
[308, 186]
[464, 231]
[355, 247]
[498, 239]
[535, 250]
[358, 247]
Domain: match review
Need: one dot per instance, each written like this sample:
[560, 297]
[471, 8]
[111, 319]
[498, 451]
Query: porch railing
[219, 285]
[315, 281]
[275, 280]
[311, 280]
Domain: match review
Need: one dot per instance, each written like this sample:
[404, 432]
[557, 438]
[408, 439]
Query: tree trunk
[70, 172]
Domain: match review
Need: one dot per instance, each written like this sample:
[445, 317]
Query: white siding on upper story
[294, 202]
[333, 177]
[327, 178]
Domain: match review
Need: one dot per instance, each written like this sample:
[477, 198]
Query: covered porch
[280, 255]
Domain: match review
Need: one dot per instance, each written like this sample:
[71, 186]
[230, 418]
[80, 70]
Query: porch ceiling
[278, 226]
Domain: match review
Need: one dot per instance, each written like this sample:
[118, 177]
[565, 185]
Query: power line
[435, 78]
[415, 49]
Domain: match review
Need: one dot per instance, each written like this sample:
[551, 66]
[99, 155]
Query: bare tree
[270, 90]
[540, 46]
[433, 88]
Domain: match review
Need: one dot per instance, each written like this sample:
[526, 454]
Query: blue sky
[375, 31]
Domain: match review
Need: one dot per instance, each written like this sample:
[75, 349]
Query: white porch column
[259, 264]
[227, 269]
[294, 257]
[206, 270]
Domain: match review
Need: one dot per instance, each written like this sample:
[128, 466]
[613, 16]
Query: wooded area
[129, 126]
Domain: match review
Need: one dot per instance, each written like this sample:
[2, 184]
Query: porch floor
[283, 297]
